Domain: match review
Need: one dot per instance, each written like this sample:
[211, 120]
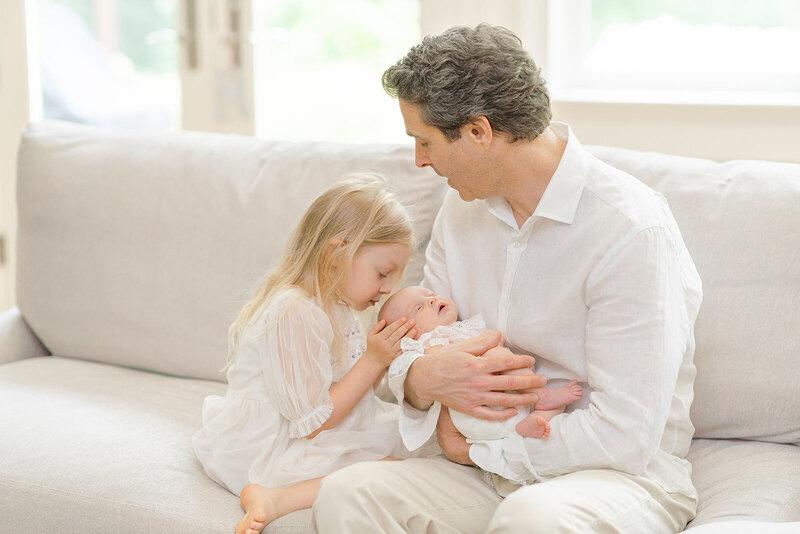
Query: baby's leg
[550, 398]
[537, 423]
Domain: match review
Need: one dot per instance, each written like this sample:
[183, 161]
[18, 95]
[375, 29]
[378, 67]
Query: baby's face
[428, 309]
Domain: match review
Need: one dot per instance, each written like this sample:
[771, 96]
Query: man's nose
[421, 158]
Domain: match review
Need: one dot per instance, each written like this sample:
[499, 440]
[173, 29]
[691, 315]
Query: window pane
[109, 62]
[710, 44]
[318, 67]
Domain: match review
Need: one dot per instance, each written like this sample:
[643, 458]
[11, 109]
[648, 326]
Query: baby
[437, 323]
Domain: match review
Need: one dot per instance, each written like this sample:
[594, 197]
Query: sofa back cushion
[138, 249]
[740, 222]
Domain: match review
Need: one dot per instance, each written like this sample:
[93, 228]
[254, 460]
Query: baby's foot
[551, 398]
[260, 509]
[533, 426]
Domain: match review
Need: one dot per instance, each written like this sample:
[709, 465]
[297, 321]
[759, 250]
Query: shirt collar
[561, 196]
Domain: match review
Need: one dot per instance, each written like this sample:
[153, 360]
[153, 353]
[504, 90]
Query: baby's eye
[382, 275]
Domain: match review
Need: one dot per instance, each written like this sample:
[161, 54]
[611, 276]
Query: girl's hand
[383, 341]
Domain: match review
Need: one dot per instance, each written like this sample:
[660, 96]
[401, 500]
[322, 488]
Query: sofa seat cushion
[88, 447]
[745, 480]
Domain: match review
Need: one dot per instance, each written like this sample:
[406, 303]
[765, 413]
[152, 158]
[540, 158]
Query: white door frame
[217, 65]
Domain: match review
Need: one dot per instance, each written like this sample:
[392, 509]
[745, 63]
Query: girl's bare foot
[533, 426]
[550, 398]
[261, 508]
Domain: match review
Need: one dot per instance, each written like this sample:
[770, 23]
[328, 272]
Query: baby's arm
[383, 346]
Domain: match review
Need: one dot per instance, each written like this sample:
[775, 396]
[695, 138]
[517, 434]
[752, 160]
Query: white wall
[13, 115]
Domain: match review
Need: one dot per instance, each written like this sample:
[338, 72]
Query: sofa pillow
[139, 248]
[740, 222]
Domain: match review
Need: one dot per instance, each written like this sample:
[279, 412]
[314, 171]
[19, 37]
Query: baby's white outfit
[278, 394]
[499, 436]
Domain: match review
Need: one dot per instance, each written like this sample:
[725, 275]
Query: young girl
[300, 403]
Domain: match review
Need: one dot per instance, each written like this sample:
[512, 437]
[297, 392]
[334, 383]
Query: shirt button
[516, 244]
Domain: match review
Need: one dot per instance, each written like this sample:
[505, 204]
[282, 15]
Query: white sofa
[136, 250]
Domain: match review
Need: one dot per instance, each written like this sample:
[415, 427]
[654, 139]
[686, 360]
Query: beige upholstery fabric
[89, 447]
[138, 249]
[17, 341]
[97, 448]
[747, 527]
[746, 480]
[740, 222]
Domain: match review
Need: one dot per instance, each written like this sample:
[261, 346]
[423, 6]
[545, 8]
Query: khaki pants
[435, 496]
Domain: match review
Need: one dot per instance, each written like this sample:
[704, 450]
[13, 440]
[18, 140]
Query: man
[569, 259]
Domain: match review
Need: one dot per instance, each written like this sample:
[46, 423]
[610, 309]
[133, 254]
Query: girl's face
[372, 273]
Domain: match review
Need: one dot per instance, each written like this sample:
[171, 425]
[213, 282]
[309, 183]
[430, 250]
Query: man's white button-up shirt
[598, 285]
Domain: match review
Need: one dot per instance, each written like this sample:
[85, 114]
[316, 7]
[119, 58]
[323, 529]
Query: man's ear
[479, 130]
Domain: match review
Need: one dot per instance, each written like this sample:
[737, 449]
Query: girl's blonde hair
[357, 211]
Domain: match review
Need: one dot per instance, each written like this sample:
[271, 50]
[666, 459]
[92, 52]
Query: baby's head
[428, 309]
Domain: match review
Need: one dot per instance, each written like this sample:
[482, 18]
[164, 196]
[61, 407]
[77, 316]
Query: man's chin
[465, 196]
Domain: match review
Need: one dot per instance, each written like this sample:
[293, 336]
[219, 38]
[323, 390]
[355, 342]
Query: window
[105, 62]
[318, 65]
[728, 51]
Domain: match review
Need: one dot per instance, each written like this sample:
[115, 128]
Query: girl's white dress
[278, 393]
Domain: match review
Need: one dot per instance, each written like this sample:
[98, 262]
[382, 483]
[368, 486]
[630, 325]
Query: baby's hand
[383, 341]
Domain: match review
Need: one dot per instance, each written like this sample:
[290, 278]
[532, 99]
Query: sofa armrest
[17, 340]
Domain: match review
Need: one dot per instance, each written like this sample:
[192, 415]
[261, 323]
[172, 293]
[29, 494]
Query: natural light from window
[318, 65]
[746, 49]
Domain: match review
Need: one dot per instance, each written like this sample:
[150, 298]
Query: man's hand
[455, 377]
[453, 444]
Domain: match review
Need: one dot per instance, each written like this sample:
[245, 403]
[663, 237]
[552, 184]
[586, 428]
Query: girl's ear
[329, 250]
[478, 130]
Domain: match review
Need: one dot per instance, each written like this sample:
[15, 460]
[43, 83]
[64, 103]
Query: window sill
[678, 98]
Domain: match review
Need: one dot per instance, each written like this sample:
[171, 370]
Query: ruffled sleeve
[297, 365]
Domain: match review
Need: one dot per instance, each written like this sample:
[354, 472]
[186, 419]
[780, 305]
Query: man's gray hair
[465, 72]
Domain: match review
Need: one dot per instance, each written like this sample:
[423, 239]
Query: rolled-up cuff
[506, 457]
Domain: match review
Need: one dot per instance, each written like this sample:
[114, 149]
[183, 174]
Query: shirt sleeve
[297, 366]
[637, 331]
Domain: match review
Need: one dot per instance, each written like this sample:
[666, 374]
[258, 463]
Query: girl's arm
[383, 346]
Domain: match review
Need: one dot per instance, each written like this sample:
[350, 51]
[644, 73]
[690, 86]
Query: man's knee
[356, 483]
[530, 510]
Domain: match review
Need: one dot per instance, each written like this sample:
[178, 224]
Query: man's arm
[637, 331]
[453, 376]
